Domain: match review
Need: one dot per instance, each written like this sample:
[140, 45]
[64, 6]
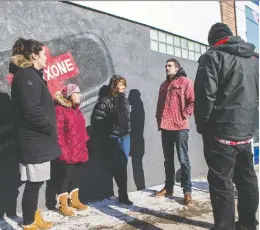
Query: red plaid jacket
[175, 104]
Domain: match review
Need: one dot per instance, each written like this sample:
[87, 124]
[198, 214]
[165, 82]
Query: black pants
[64, 178]
[30, 201]
[228, 164]
[180, 139]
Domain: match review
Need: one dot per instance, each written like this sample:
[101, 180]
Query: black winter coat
[102, 117]
[226, 91]
[35, 117]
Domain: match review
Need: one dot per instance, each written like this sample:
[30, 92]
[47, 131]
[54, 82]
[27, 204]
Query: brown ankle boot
[32, 226]
[40, 222]
[74, 201]
[164, 193]
[63, 205]
[187, 199]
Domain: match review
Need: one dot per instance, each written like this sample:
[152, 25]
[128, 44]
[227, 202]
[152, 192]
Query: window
[169, 39]
[197, 56]
[154, 45]
[170, 50]
[162, 37]
[177, 52]
[162, 47]
[154, 35]
[203, 49]
[184, 43]
[191, 55]
[185, 53]
[197, 47]
[175, 45]
[177, 41]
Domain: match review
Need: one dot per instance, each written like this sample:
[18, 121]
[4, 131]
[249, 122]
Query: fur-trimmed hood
[17, 62]
[61, 100]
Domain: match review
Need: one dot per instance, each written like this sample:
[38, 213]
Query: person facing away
[72, 138]
[174, 107]
[226, 103]
[35, 122]
[112, 117]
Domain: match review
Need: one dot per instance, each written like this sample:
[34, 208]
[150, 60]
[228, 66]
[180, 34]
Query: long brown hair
[115, 79]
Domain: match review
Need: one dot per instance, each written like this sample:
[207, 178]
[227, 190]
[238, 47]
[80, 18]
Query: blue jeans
[118, 152]
[179, 138]
[122, 145]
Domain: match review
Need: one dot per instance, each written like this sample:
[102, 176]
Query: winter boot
[63, 205]
[187, 199]
[121, 178]
[38, 220]
[74, 201]
[123, 198]
[164, 193]
[32, 226]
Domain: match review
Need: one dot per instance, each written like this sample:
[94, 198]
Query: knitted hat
[217, 32]
[70, 89]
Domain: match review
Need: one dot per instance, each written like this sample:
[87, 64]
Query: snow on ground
[147, 213]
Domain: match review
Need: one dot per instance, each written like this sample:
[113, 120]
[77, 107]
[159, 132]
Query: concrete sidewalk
[148, 212]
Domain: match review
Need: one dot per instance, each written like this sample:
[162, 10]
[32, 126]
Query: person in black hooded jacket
[226, 103]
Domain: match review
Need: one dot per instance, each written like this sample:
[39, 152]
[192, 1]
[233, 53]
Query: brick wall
[228, 14]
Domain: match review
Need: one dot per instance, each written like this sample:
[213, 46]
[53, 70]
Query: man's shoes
[164, 193]
[187, 199]
[239, 227]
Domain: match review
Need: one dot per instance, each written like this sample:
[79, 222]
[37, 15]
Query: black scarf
[120, 113]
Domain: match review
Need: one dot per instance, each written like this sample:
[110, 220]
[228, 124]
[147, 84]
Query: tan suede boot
[63, 205]
[74, 201]
[32, 226]
[187, 199]
[164, 193]
[40, 222]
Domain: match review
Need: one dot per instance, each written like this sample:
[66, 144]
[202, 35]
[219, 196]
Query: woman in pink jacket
[72, 138]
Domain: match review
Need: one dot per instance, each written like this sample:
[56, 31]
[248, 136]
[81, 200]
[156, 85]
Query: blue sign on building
[252, 27]
[256, 2]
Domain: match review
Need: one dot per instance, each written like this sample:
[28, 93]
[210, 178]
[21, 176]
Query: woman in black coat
[35, 122]
[111, 118]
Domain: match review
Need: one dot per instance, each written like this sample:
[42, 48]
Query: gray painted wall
[100, 45]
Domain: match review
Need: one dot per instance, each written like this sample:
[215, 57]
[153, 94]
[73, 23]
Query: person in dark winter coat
[72, 138]
[226, 103]
[111, 116]
[35, 122]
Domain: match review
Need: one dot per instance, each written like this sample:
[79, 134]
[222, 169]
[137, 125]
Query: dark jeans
[180, 139]
[64, 178]
[119, 149]
[228, 164]
[30, 201]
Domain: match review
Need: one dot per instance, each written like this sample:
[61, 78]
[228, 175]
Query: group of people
[224, 99]
[53, 137]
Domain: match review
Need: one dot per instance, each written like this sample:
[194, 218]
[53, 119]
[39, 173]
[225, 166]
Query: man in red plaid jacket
[174, 107]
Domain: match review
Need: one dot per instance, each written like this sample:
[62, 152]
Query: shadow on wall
[9, 166]
[98, 182]
[137, 117]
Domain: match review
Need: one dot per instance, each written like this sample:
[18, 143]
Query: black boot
[123, 198]
[122, 185]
